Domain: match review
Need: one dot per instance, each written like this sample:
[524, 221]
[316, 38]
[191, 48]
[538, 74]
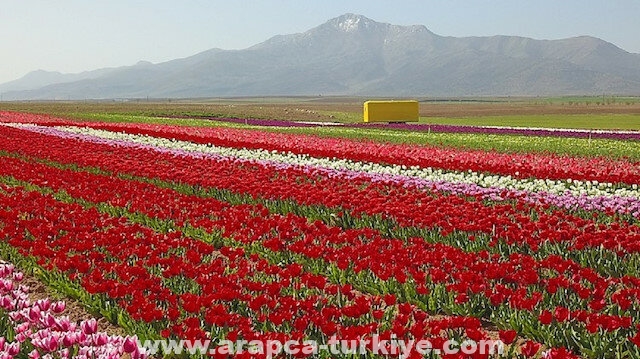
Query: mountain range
[354, 55]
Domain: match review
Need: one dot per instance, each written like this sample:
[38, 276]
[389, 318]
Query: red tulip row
[194, 290]
[354, 249]
[517, 165]
[520, 224]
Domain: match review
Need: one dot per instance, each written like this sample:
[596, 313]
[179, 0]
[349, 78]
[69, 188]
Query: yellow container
[391, 111]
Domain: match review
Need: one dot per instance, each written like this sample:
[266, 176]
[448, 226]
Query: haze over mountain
[354, 55]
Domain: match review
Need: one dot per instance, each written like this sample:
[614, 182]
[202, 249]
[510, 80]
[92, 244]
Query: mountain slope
[354, 55]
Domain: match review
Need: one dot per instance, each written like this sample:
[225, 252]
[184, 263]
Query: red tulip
[508, 336]
[545, 317]
[530, 348]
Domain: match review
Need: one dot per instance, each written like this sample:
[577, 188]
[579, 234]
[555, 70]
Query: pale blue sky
[80, 35]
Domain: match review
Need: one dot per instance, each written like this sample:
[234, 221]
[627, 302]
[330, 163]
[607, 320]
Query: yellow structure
[391, 111]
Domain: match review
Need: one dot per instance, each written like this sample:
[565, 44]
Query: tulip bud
[101, 339]
[22, 303]
[9, 268]
[52, 342]
[43, 304]
[58, 307]
[20, 338]
[69, 339]
[50, 321]
[129, 345]
[13, 349]
[7, 303]
[22, 327]
[34, 313]
[65, 325]
[16, 316]
[65, 353]
[89, 326]
[140, 353]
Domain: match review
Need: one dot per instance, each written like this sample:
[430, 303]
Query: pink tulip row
[41, 332]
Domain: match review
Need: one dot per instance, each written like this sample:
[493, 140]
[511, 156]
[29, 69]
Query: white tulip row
[566, 187]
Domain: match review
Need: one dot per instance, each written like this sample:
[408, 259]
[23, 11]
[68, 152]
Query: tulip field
[227, 232]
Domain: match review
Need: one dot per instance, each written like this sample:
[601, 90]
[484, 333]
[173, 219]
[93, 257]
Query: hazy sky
[80, 35]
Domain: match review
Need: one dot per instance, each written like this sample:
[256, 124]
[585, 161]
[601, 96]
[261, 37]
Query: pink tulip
[82, 337]
[22, 327]
[50, 321]
[43, 304]
[6, 303]
[22, 303]
[65, 353]
[70, 339]
[34, 354]
[13, 349]
[51, 342]
[139, 353]
[89, 326]
[9, 268]
[130, 344]
[64, 324]
[34, 314]
[58, 307]
[101, 339]
[21, 338]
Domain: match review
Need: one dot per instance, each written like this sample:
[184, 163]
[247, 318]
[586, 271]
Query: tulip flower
[130, 344]
[13, 349]
[507, 336]
[89, 326]
[530, 348]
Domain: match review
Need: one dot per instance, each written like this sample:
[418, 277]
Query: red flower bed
[283, 277]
